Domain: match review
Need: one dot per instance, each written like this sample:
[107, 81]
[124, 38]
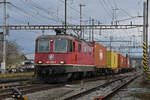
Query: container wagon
[112, 61]
[100, 58]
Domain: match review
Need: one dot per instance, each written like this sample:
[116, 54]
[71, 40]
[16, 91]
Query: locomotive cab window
[85, 49]
[70, 46]
[73, 46]
[43, 45]
[90, 50]
[60, 46]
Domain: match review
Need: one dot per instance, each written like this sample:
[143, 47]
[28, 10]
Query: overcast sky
[22, 12]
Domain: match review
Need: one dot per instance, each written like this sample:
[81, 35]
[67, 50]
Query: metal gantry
[69, 27]
[124, 47]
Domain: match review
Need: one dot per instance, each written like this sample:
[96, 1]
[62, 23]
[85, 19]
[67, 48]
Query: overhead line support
[146, 73]
[69, 27]
[65, 16]
[3, 64]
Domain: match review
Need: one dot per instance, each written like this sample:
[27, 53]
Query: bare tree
[13, 53]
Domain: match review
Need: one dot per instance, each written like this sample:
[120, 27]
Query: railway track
[31, 88]
[99, 92]
[7, 92]
[115, 89]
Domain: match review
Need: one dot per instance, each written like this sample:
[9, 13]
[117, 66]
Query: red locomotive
[63, 57]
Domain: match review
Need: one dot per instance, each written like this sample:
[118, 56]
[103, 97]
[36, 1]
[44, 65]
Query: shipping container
[120, 61]
[112, 60]
[128, 62]
[100, 54]
[124, 62]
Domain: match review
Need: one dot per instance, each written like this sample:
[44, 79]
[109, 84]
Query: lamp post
[3, 64]
[81, 5]
[65, 16]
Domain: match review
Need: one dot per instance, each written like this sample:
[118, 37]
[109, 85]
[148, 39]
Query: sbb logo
[51, 56]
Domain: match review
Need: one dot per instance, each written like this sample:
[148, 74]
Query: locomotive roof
[63, 37]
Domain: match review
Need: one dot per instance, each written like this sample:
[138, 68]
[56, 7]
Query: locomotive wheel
[78, 76]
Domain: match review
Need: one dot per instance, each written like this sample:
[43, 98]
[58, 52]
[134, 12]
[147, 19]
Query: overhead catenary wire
[39, 17]
[77, 11]
[107, 5]
[46, 11]
[112, 6]
[32, 14]
[21, 20]
[115, 3]
[125, 12]
[107, 12]
[29, 14]
[34, 5]
[130, 16]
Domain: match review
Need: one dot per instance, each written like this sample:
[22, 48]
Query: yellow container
[112, 60]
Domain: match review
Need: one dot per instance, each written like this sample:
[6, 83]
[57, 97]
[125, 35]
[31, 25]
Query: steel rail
[84, 93]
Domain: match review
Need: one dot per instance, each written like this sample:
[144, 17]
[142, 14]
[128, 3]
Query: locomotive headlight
[13, 96]
[40, 62]
[18, 96]
[62, 62]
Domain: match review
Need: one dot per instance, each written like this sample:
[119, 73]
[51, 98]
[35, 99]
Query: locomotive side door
[74, 53]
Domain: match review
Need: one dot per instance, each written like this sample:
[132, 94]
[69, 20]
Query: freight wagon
[64, 57]
[120, 61]
[112, 60]
[100, 54]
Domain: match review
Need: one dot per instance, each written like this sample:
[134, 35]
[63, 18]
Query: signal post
[146, 73]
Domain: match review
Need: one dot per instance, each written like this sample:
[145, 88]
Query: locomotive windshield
[60, 46]
[43, 45]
